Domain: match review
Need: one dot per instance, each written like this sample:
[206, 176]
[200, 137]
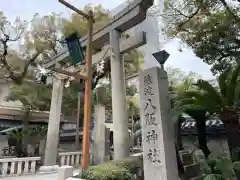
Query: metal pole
[77, 144]
[88, 96]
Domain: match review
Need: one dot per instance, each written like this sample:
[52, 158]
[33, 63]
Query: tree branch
[189, 18]
[32, 60]
[16, 78]
[229, 10]
[177, 10]
[98, 79]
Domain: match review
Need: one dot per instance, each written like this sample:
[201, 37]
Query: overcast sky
[185, 60]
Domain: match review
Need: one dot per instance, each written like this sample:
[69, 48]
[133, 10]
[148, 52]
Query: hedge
[125, 169]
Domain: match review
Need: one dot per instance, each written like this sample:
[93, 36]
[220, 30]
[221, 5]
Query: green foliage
[70, 100]
[236, 166]
[79, 24]
[215, 177]
[236, 154]
[217, 167]
[38, 131]
[35, 96]
[213, 99]
[31, 42]
[125, 169]
[17, 135]
[107, 100]
[209, 27]
[133, 62]
[41, 41]
[180, 82]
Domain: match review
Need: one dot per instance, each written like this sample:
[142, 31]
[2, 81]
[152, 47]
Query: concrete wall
[66, 146]
[217, 145]
[3, 143]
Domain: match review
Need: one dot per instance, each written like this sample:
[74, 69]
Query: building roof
[213, 127]
[9, 130]
[67, 129]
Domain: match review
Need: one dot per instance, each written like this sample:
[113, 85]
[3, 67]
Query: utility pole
[88, 96]
[88, 85]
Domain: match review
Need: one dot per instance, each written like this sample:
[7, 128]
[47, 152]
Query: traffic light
[75, 49]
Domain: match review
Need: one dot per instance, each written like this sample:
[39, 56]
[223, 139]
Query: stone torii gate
[110, 34]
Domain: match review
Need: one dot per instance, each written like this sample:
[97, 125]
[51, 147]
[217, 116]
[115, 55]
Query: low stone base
[65, 172]
[49, 169]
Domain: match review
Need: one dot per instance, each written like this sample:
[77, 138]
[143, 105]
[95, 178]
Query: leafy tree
[222, 101]
[41, 41]
[70, 100]
[133, 101]
[32, 96]
[179, 84]
[23, 44]
[209, 27]
[133, 60]
[78, 23]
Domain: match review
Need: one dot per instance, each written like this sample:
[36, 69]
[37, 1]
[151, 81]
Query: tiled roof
[209, 123]
[68, 134]
[213, 127]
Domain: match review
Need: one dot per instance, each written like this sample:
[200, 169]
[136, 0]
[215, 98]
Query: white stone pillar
[152, 26]
[54, 123]
[159, 155]
[119, 110]
[99, 134]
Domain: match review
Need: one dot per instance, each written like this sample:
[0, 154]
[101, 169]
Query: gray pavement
[52, 176]
[37, 176]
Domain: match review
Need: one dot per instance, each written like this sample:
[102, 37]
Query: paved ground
[38, 176]
[33, 177]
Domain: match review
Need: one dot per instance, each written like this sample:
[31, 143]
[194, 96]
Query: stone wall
[215, 144]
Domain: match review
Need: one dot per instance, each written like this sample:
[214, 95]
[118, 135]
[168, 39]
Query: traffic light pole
[88, 86]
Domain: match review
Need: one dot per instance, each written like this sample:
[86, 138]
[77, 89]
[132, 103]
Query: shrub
[125, 169]
[218, 167]
[236, 166]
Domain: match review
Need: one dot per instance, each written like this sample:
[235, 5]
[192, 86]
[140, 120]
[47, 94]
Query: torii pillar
[119, 110]
[51, 150]
[54, 123]
[152, 25]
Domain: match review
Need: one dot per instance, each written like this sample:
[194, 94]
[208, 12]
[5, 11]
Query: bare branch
[31, 61]
[15, 77]
[177, 10]
[180, 26]
[9, 70]
[18, 36]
